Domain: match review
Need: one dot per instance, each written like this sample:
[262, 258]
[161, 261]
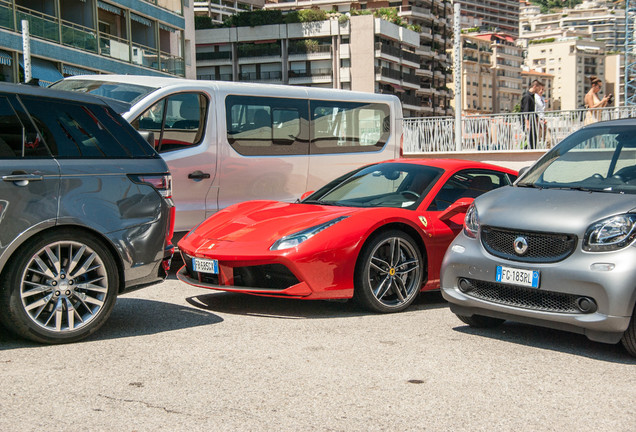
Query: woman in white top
[539, 109]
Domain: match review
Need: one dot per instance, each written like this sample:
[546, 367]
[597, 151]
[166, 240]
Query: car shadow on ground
[133, 317]
[554, 340]
[284, 308]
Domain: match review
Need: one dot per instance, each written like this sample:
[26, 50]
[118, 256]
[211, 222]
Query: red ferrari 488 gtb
[377, 234]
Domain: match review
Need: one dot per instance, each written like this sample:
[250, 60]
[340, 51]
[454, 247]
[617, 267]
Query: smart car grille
[528, 298]
[542, 247]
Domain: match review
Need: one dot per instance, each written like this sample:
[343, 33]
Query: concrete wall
[363, 57]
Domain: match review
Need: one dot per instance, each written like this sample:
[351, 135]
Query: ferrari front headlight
[295, 239]
[610, 234]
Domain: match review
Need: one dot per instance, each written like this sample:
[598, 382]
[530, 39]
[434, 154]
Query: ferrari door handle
[198, 175]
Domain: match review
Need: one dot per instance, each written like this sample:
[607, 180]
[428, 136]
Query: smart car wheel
[389, 272]
[480, 321]
[629, 337]
[60, 288]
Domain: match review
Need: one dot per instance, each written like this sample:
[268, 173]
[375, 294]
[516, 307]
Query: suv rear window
[72, 130]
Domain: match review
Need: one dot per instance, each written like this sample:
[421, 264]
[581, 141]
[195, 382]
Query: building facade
[71, 37]
[477, 75]
[220, 10]
[495, 15]
[604, 22]
[346, 51]
[572, 61]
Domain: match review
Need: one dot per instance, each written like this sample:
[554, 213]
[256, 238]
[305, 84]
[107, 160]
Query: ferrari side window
[467, 184]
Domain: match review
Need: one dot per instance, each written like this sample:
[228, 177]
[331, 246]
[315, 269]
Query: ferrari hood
[266, 221]
[552, 210]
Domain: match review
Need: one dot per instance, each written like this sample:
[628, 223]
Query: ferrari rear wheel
[389, 272]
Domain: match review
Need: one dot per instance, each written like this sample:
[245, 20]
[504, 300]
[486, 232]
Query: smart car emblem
[521, 245]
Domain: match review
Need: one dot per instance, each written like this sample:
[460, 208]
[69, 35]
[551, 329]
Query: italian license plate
[205, 265]
[529, 278]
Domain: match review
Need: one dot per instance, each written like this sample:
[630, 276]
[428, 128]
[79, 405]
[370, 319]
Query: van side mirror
[459, 206]
[149, 136]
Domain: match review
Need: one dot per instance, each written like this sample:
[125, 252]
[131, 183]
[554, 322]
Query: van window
[18, 138]
[177, 121]
[346, 127]
[259, 126]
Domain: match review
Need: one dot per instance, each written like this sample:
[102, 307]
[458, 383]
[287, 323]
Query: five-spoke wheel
[389, 272]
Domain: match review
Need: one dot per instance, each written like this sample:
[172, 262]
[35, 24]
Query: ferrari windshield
[124, 92]
[599, 159]
[382, 185]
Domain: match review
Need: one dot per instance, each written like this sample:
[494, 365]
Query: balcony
[261, 76]
[215, 77]
[220, 55]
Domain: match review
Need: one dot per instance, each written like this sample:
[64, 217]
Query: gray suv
[85, 212]
[557, 249]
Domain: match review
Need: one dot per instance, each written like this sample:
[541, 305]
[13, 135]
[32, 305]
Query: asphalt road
[178, 358]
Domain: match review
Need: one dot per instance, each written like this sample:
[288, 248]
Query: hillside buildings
[346, 51]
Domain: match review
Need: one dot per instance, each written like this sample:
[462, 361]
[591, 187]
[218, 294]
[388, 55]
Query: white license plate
[529, 278]
[205, 265]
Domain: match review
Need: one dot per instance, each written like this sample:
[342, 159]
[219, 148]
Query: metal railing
[501, 132]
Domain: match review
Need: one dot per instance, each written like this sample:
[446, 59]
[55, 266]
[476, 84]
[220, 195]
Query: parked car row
[86, 209]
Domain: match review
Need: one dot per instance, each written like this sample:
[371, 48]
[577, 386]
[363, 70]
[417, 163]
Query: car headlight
[610, 234]
[471, 222]
[295, 239]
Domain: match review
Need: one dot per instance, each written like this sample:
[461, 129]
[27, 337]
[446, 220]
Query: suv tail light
[161, 182]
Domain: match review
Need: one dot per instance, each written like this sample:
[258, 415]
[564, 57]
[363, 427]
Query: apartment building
[572, 61]
[346, 50]
[495, 15]
[71, 37]
[507, 59]
[220, 10]
[477, 75]
[602, 21]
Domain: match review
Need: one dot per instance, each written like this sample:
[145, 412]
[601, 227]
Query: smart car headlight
[610, 234]
[471, 222]
[295, 239]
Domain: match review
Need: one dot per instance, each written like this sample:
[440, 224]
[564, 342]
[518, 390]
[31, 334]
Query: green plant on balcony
[254, 18]
[304, 46]
[203, 22]
[305, 15]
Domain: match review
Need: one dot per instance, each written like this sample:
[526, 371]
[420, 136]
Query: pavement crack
[146, 404]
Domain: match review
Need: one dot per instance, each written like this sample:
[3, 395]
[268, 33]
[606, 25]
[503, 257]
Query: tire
[480, 321]
[389, 272]
[629, 337]
[59, 287]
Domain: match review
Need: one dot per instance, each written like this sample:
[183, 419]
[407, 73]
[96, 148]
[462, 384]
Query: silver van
[228, 142]
[85, 212]
[558, 248]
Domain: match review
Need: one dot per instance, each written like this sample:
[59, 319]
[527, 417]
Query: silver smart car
[558, 248]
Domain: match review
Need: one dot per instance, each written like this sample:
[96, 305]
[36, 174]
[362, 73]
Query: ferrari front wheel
[389, 272]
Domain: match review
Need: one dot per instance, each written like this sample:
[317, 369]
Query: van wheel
[480, 321]
[629, 337]
[60, 287]
[389, 272]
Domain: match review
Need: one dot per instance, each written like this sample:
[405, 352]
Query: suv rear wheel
[58, 288]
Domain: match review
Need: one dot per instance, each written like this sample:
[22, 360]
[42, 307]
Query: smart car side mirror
[459, 206]
[523, 170]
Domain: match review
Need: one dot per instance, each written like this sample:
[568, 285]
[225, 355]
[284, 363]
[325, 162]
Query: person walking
[528, 106]
[592, 101]
[539, 108]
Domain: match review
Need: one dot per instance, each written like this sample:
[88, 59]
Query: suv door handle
[22, 176]
[198, 175]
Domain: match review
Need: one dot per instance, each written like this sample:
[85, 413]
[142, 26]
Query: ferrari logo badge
[424, 221]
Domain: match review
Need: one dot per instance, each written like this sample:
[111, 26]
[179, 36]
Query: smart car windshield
[124, 92]
[599, 159]
[383, 185]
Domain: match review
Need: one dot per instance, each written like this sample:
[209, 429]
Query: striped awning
[166, 28]
[108, 7]
[5, 58]
[73, 70]
[140, 19]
